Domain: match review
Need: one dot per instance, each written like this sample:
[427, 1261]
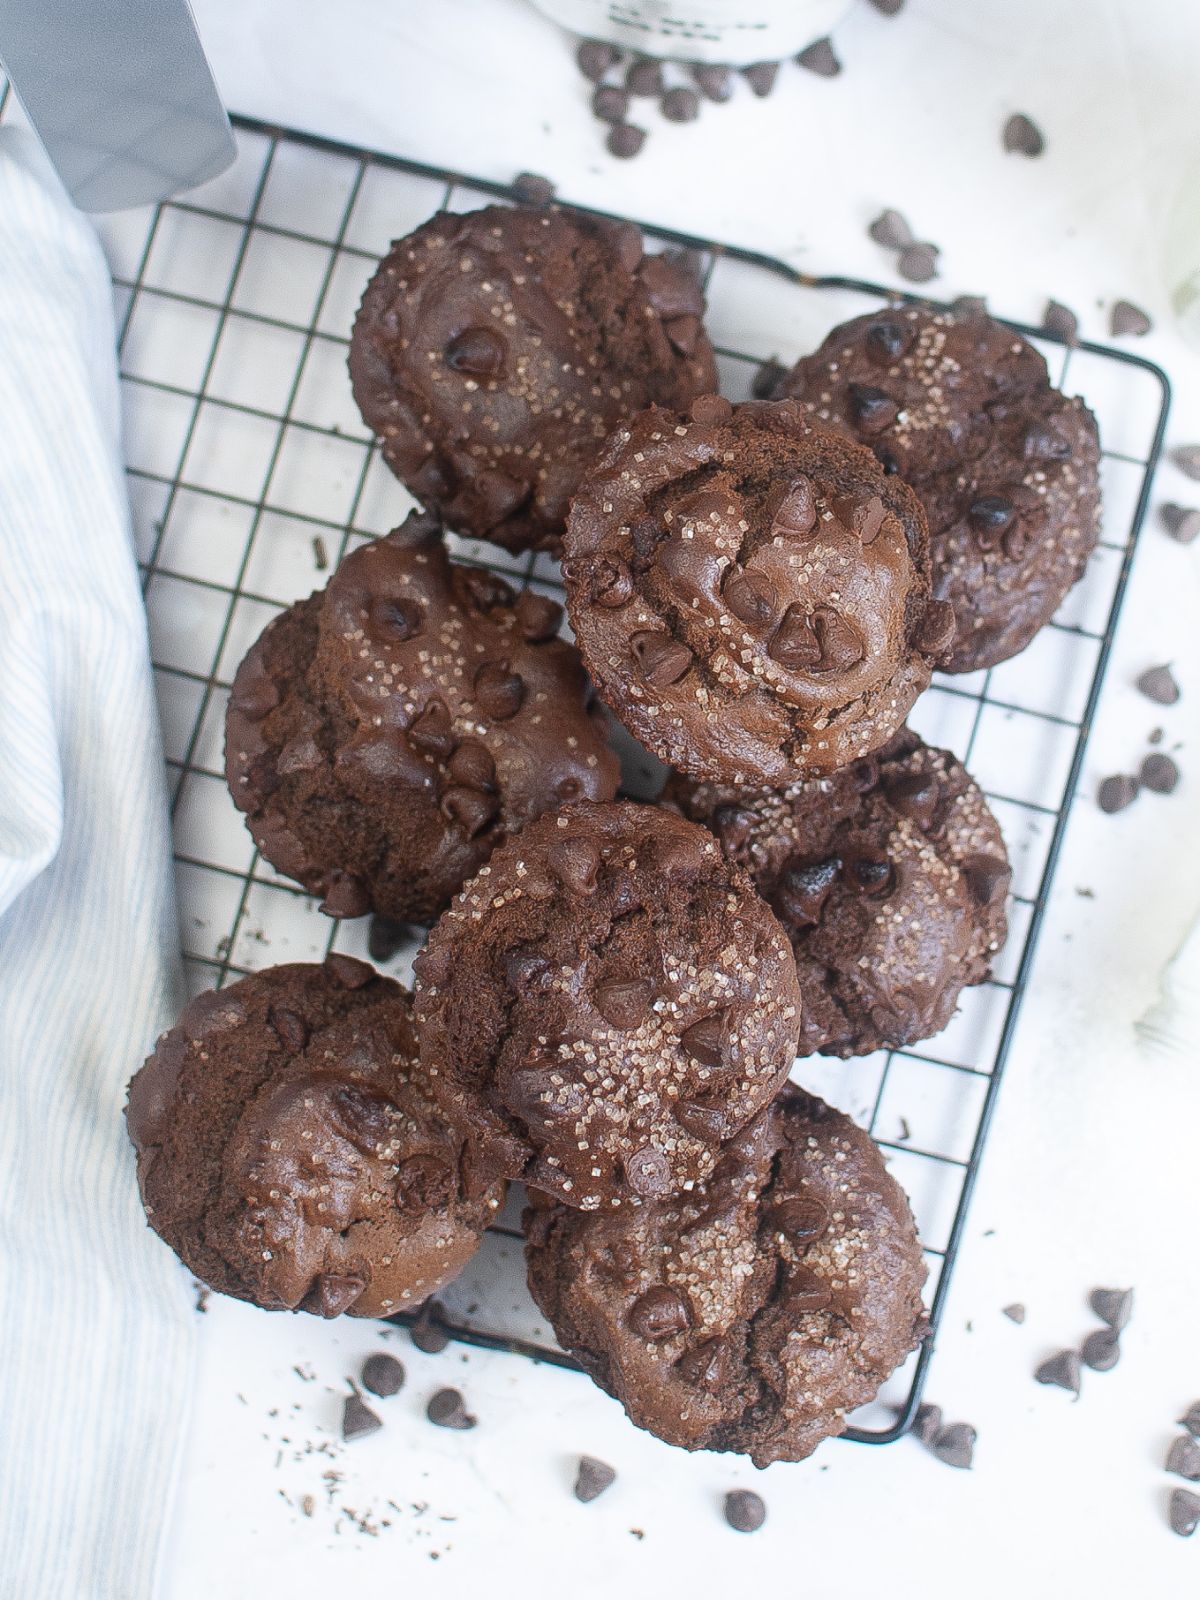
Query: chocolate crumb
[714, 83]
[1125, 318]
[1187, 458]
[531, 189]
[1061, 1370]
[905, 1131]
[891, 230]
[1181, 522]
[918, 263]
[1155, 736]
[1101, 1350]
[1183, 1458]
[592, 1478]
[1159, 773]
[767, 379]
[1158, 684]
[1022, 136]
[1184, 1512]
[595, 57]
[955, 1445]
[429, 1332]
[1117, 792]
[1114, 1306]
[745, 1511]
[308, 1504]
[447, 1409]
[680, 105]
[638, 1533]
[625, 141]
[203, 1295]
[320, 553]
[1015, 1312]
[927, 1423]
[383, 1375]
[820, 58]
[761, 77]
[1062, 322]
[358, 1419]
[1191, 1419]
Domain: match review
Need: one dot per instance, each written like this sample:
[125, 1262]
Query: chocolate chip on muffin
[384, 735]
[1006, 467]
[750, 592]
[495, 350]
[606, 1004]
[289, 1153]
[752, 1312]
[890, 877]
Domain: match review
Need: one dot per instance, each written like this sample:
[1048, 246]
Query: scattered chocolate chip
[745, 1511]
[1015, 1312]
[680, 105]
[448, 1410]
[610, 103]
[761, 77]
[1022, 136]
[358, 1419]
[1101, 1350]
[1158, 684]
[955, 1445]
[1181, 522]
[595, 57]
[645, 77]
[1155, 736]
[1187, 458]
[592, 1479]
[1185, 1512]
[1125, 318]
[1117, 792]
[383, 1375]
[714, 83]
[429, 1332]
[927, 1423]
[625, 141]
[1191, 1420]
[320, 554]
[1114, 1306]
[1062, 322]
[1061, 1370]
[819, 58]
[767, 379]
[1159, 773]
[1183, 1458]
[385, 937]
[970, 305]
[531, 189]
[918, 263]
[892, 231]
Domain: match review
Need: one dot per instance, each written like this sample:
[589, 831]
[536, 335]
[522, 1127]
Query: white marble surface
[1089, 1175]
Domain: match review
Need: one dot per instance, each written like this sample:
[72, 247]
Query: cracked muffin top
[750, 591]
[753, 1312]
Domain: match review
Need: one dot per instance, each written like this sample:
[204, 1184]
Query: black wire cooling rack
[251, 475]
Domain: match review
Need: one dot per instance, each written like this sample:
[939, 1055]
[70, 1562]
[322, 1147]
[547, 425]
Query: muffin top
[495, 350]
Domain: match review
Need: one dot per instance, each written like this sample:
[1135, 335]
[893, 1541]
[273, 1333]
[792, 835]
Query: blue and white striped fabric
[96, 1325]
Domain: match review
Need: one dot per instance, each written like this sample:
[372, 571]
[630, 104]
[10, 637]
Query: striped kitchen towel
[96, 1324]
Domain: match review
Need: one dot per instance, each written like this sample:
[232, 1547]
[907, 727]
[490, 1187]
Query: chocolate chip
[531, 189]
[871, 409]
[469, 808]
[703, 1121]
[1191, 1420]
[383, 1375]
[1126, 318]
[704, 1365]
[538, 617]
[761, 77]
[796, 513]
[680, 105]
[745, 1511]
[714, 83]
[358, 1419]
[662, 660]
[987, 878]
[927, 1423]
[625, 141]
[860, 511]
[891, 230]
[575, 862]
[1114, 1306]
[624, 1002]
[429, 1332]
[1158, 684]
[1101, 1350]
[498, 691]
[658, 1314]
[819, 58]
[1061, 1370]
[595, 57]
[644, 77]
[915, 795]
[1015, 1312]
[800, 1217]
[333, 1293]
[351, 974]
[432, 730]
[704, 1041]
[1022, 136]
[447, 1409]
[479, 352]
[472, 765]
[1159, 773]
[1183, 1458]
[970, 305]
[1061, 322]
[887, 340]
[1181, 522]
[803, 888]
[733, 825]
[1187, 458]
[385, 937]
[1184, 1512]
[291, 1029]
[841, 647]
[610, 103]
[254, 694]
[990, 514]
[611, 583]
[751, 597]
[955, 1445]
[888, 7]
[711, 409]
[767, 379]
[918, 263]
[592, 1478]
[935, 627]
[1117, 792]
[872, 874]
[647, 1173]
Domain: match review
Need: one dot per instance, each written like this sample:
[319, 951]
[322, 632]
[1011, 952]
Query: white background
[1090, 1172]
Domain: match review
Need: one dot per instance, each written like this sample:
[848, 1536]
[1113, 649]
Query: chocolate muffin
[495, 350]
[1006, 467]
[751, 1313]
[890, 877]
[606, 1004]
[289, 1153]
[386, 734]
[750, 591]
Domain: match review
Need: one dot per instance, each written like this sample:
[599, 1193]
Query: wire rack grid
[251, 475]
